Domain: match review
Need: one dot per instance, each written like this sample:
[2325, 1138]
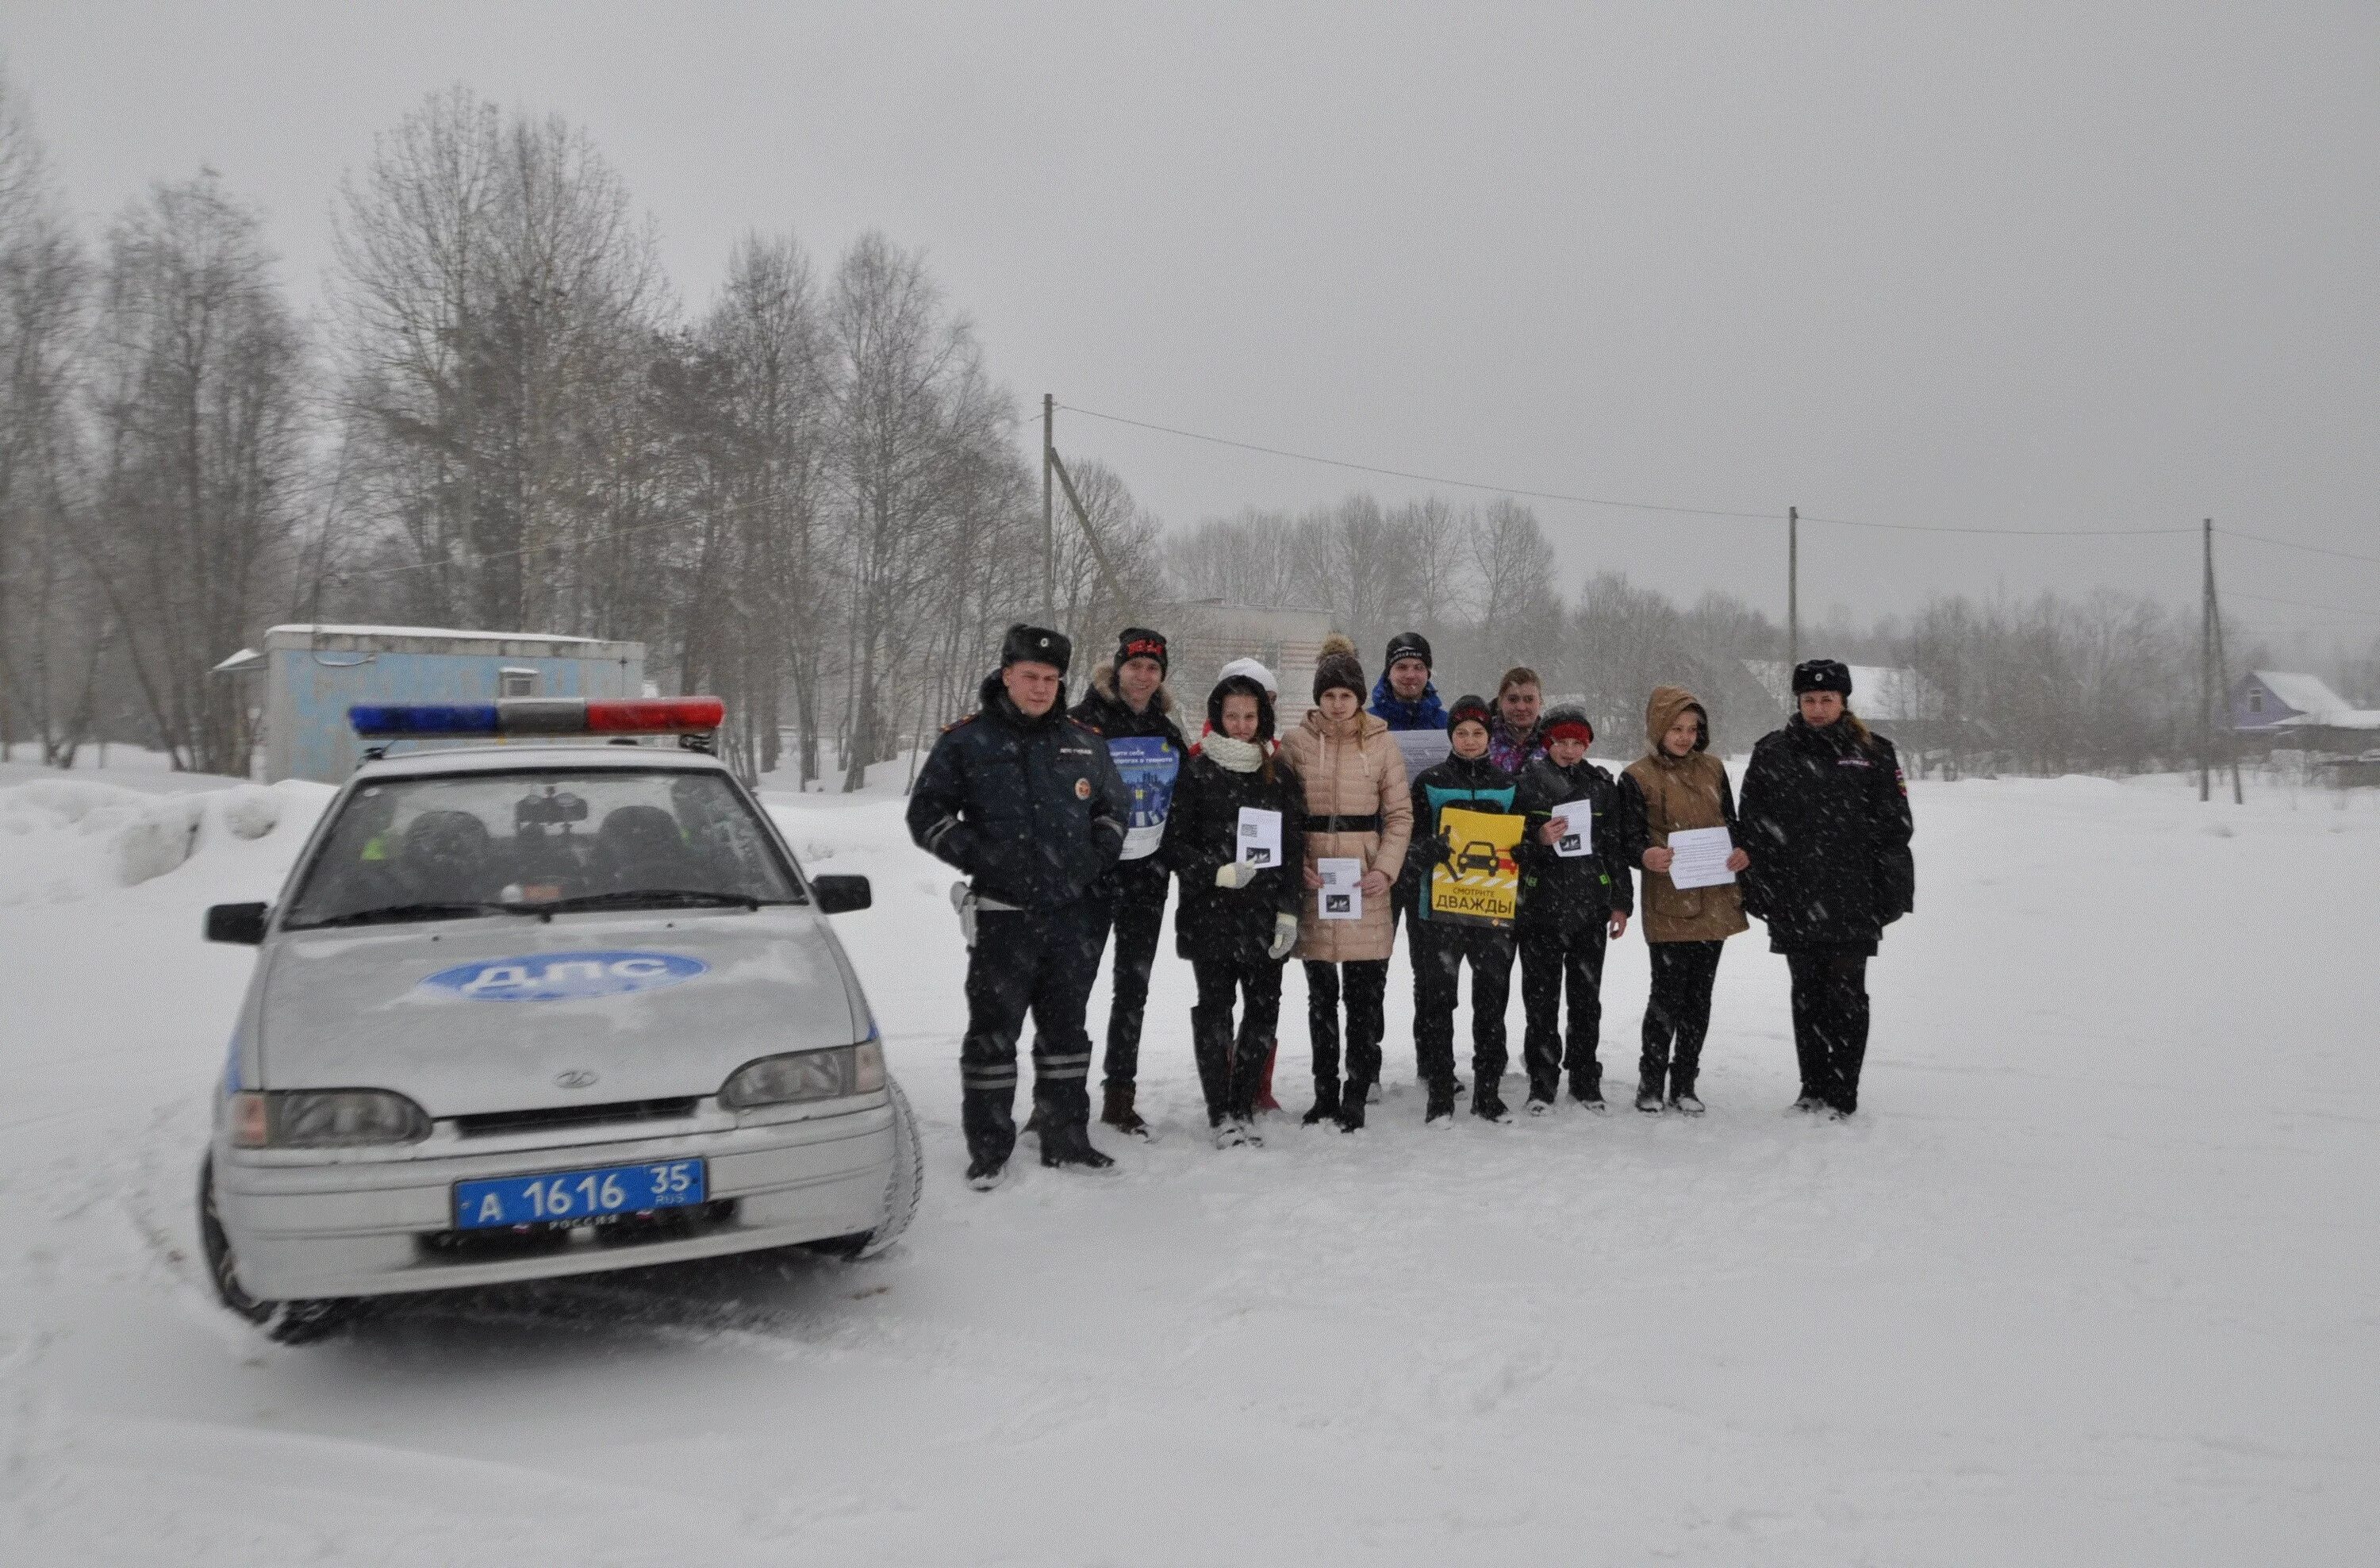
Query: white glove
[1238, 874]
[1285, 936]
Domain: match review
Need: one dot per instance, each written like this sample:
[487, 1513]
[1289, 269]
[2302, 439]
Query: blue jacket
[1394, 711]
[1031, 810]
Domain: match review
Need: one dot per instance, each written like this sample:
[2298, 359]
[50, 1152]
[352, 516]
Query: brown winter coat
[1689, 792]
[1352, 768]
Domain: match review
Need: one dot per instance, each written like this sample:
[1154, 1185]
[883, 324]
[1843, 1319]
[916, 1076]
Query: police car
[525, 1010]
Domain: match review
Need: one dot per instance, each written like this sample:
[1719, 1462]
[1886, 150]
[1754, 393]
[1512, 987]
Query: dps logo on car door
[564, 977]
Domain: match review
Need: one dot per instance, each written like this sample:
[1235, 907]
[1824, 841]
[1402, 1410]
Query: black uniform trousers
[1041, 961]
[1551, 960]
[1676, 1014]
[1230, 1068]
[1139, 915]
[1830, 1015]
[1440, 949]
[1367, 995]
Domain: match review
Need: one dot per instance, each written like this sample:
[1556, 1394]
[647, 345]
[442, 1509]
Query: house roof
[2307, 694]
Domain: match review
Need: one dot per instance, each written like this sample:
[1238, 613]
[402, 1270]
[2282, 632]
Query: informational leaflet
[1259, 837]
[1422, 749]
[1342, 897]
[1698, 858]
[1149, 765]
[1580, 839]
[1481, 885]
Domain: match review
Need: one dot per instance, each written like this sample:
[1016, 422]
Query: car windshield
[539, 841]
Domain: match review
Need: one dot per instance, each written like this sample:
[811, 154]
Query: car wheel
[901, 1188]
[287, 1322]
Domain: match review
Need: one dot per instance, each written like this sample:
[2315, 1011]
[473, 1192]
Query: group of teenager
[1072, 825]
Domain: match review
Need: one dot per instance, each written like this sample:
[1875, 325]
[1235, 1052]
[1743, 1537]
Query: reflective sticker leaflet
[1149, 765]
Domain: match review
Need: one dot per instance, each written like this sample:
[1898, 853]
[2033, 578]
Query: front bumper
[345, 1226]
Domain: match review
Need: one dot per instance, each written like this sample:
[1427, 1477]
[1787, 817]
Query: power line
[2015, 533]
[2292, 544]
[2302, 604]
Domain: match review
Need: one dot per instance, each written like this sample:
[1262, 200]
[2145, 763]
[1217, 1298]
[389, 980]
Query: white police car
[528, 1011]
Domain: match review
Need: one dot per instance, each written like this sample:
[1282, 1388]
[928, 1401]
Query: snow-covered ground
[2094, 1278]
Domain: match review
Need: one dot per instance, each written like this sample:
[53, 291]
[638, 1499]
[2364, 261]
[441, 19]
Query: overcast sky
[2058, 266]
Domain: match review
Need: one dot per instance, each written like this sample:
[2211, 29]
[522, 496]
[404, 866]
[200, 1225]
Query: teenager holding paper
[1575, 899]
[1238, 916]
[1357, 809]
[1466, 781]
[1826, 813]
[1677, 786]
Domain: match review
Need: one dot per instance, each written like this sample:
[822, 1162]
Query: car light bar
[538, 716]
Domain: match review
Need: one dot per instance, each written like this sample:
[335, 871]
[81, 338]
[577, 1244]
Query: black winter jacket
[1031, 810]
[1559, 894]
[1221, 924]
[1825, 821]
[1473, 784]
[1104, 710]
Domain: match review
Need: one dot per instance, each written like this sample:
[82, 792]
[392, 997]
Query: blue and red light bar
[538, 716]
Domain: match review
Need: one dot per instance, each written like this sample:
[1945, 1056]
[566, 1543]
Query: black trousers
[1231, 1066]
[1551, 960]
[1830, 1022]
[1677, 1014]
[1137, 918]
[1440, 949]
[1367, 994]
[1038, 961]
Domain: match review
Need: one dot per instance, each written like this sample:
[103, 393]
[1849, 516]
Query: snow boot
[1350, 1106]
[1648, 1099]
[1588, 1092]
[1071, 1146]
[1488, 1104]
[1808, 1105]
[1440, 1112]
[983, 1174]
[1228, 1133]
[1118, 1114]
[1372, 1093]
[1683, 1101]
[1538, 1107]
[1326, 1102]
[1265, 1101]
[1839, 1113]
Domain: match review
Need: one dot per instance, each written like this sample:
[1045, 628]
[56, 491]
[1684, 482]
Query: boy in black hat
[1575, 896]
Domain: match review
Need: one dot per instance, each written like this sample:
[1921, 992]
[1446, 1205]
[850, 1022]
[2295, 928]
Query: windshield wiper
[391, 912]
[646, 898]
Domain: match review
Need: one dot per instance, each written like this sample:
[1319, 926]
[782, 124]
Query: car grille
[492, 1122]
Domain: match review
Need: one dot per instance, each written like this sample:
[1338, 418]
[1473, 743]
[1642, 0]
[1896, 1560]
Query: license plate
[558, 1197]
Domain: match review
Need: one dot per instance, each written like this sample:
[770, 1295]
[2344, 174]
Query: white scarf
[1239, 756]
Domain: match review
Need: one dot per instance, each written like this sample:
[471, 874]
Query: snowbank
[65, 838]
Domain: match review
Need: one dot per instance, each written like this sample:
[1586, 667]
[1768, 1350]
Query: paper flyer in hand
[1580, 839]
[1149, 765]
[1698, 858]
[1342, 897]
[1259, 837]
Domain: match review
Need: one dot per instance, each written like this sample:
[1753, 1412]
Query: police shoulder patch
[960, 723]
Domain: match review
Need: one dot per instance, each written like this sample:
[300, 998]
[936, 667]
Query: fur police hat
[1139, 642]
[1036, 645]
[1408, 645]
[1339, 668]
[1822, 674]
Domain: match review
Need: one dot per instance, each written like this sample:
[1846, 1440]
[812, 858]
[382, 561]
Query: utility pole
[2221, 680]
[1049, 535]
[2206, 663]
[1792, 585]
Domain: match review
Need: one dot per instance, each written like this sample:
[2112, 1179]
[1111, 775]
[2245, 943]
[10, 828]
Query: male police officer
[1027, 803]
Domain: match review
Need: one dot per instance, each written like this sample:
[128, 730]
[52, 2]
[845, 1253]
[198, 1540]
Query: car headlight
[324, 1118]
[805, 1074]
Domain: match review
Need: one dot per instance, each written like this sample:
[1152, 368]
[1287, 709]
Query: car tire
[901, 1188]
[286, 1322]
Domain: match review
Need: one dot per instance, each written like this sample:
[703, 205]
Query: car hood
[510, 1014]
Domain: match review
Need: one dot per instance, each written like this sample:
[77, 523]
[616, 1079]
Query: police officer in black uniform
[1026, 802]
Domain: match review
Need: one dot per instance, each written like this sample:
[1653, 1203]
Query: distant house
[2293, 709]
[313, 674]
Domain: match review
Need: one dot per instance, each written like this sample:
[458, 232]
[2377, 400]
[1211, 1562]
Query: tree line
[809, 497]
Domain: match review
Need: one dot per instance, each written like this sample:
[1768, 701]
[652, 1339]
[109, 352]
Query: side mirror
[241, 923]
[841, 895]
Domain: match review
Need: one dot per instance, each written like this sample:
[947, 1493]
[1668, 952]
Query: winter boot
[1541, 1105]
[1440, 1110]
[1070, 1145]
[1808, 1105]
[1227, 1133]
[1350, 1106]
[1326, 1102]
[1265, 1101]
[1118, 1113]
[983, 1173]
[1683, 1100]
[1648, 1098]
[1488, 1104]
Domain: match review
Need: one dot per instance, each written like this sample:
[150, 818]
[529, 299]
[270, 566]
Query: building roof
[2307, 694]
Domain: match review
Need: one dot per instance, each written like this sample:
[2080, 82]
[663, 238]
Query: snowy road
[2093, 1279]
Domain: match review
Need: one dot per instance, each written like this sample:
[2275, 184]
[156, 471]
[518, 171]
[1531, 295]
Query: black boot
[1488, 1101]
[1118, 1112]
[1069, 1143]
[1350, 1106]
[1440, 1110]
[1326, 1102]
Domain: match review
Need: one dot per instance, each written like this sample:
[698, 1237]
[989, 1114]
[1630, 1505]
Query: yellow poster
[1479, 884]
